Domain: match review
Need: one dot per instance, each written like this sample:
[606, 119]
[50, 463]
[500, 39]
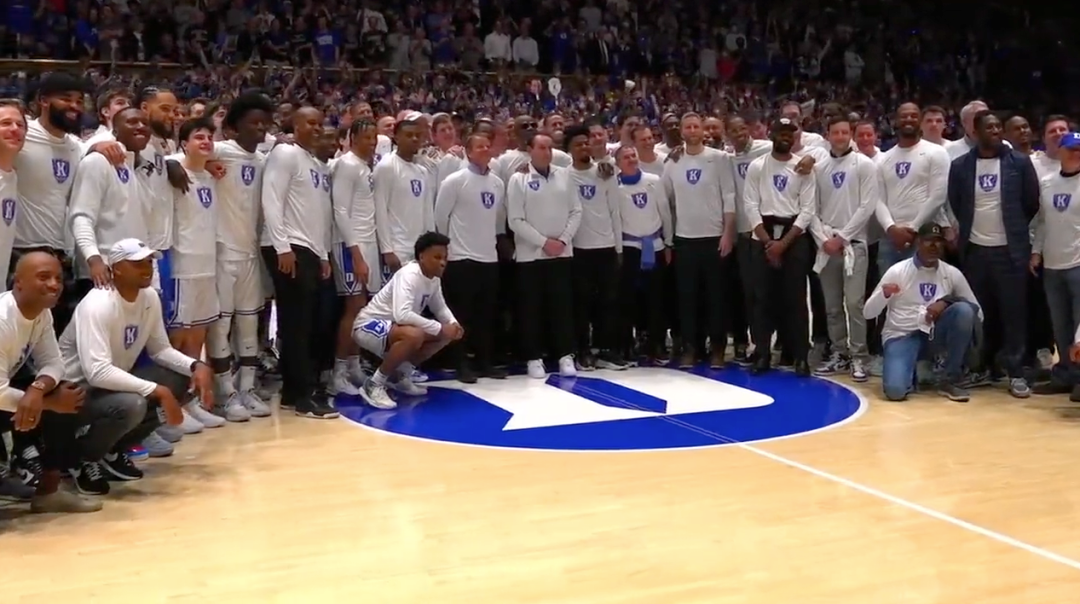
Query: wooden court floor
[924, 502]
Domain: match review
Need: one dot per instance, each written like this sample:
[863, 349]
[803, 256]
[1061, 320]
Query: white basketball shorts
[239, 286]
[344, 278]
[190, 302]
[372, 335]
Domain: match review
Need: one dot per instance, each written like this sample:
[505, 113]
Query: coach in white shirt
[101, 347]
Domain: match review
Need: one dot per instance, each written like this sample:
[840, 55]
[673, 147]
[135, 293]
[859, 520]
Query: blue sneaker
[138, 453]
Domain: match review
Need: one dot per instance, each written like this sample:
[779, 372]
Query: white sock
[247, 378]
[379, 379]
[225, 383]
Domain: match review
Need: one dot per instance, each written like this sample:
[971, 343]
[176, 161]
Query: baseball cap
[931, 230]
[1071, 140]
[131, 249]
[783, 124]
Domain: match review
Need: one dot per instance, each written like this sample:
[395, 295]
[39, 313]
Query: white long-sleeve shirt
[353, 196]
[644, 211]
[404, 298]
[540, 208]
[507, 164]
[158, 192]
[773, 188]
[920, 286]
[106, 335]
[22, 339]
[848, 194]
[9, 217]
[106, 205]
[194, 250]
[239, 201]
[296, 202]
[600, 225]
[525, 51]
[404, 205]
[740, 164]
[497, 47]
[46, 167]
[701, 188]
[1057, 225]
[470, 209]
[915, 181]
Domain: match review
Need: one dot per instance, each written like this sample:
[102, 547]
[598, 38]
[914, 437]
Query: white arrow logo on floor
[535, 404]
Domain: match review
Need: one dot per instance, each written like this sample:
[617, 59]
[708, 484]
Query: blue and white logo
[488, 199]
[742, 169]
[8, 207]
[780, 182]
[1061, 201]
[838, 179]
[693, 175]
[247, 174]
[639, 409]
[927, 291]
[315, 178]
[587, 191]
[640, 200]
[988, 182]
[903, 168]
[159, 162]
[326, 182]
[123, 174]
[534, 185]
[131, 333]
[376, 327]
[61, 169]
[417, 187]
[206, 196]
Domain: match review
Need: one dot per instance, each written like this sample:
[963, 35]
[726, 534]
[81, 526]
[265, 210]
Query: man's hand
[834, 246]
[901, 237]
[100, 273]
[523, 169]
[1034, 263]
[286, 263]
[890, 290]
[66, 398]
[391, 260]
[324, 270]
[451, 331]
[774, 252]
[174, 414]
[727, 245]
[360, 268]
[934, 311]
[1074, 353]
[668, 254]
[28, 412]
[553, 248]
[216, 169]
[178, 176]
[457, 151]
[605, 170]
[112, 150]
[202, 383]
[805, 165]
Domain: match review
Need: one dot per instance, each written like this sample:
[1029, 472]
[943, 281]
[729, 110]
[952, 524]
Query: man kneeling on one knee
[931, 312]
[101, 348]
[391, 325]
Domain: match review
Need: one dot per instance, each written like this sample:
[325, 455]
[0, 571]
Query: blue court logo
[639, 409]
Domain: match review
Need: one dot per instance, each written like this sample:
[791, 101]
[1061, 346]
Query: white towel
[822, 258]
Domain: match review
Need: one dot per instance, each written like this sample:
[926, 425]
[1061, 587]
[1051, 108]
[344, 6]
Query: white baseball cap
[131, 249]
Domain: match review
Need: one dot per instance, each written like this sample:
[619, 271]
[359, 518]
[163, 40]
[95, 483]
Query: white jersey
[848, 194]
[541, 207]
[353, 196]
[507, 164]
[106, 206]
[238, 202]
[106, 336]
[9, 212]
[158, 192]
[22, 339]
[774, 188]
[46, 167]
[403, 300]
[296, 201]
[656, 166]
[404, 205]
[920, 286]
[194, 251]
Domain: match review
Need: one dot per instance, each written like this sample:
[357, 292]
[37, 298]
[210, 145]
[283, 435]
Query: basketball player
[239, 268]
[355, 249]
[393, 328]
[12, 138]
[404, 200]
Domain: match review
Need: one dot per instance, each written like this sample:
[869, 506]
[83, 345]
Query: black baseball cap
[783, 124]
[931, 229]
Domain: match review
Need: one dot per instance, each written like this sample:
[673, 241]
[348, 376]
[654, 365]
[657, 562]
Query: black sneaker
[317, 407]
[120, 467]
[465, 374]
[611, 360]
[90, 479]
[586, 361]
[493, 372]
[953, 392]
[741, 358]
[26, 466]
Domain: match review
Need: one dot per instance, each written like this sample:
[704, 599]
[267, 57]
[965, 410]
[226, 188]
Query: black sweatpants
[596, 285]
[545, 301]
[782, 291]
[298, 306]
[699, 272]
[642, 290]
[472, 292]
[1000, 285]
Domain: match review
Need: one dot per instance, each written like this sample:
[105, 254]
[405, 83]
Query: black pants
[54, 438]
[298, 304]
[546, 299]
[744, 256]
[1040, 331]
[873, 325]
[505, 319]
[328, 313]
[819, 326]
[596, 285]
[671, 299]
[1000, 285]
[472, 292]
[699, 272]
[738, 321]
[642, 289]
[784, 287]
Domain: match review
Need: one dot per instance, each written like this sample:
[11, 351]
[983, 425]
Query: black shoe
[761, 364]
[1074, 396]
[495, 373]
[317, 407]
[26, 466]
[466, 375]
[741, 358]
[90, 479]
[786, 360]
[1051, 388]
[611, 360]
[586, 361]
[802, 368]
[953, 392]
[120, 467]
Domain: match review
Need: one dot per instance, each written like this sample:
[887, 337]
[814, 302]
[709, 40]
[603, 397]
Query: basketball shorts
[344, 278]
[239, 287]
[266, 280]
[190, 302]
[372, 335]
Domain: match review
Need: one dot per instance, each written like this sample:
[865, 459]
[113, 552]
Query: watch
[195, 365]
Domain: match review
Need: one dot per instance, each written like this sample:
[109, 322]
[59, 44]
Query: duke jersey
[194, 250]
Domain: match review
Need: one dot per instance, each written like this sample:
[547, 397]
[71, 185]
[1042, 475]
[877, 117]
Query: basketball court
[650, 486]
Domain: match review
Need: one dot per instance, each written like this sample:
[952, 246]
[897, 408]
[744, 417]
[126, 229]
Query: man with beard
[46, 167]
[714, 132]
[297, 212]
[780, 204]
[994, 194]
[669, 127]
[160, 106]
[803, 140]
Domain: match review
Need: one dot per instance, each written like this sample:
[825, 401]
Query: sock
[353, 363]
[247, 378]
[225, 383]
[110, 457]
[379, 378]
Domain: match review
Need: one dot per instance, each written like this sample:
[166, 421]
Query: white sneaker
[191, 425]
[567, 368]
[1046, 358]
[536, 369]
[341, 384]
[418, 377]
[171, 434]
[858, 371]
[405, 385]
[234, 409]
[356, 376]
[204, 417]
[376, 396]
[255, 405]
[876, 365]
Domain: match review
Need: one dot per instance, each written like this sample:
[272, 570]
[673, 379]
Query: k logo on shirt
[927, 291]
[315, 178]
[488, 199]
[640, 199]
[61, 169]
[838, 179]
[131, 333]
[742, 169]
[988, 182]
[206, 196]
[247, 174]
[903, 168]
[123, 174]
[693, 176]
[7, 207]
[534, 185]
[1061, 202]
[326, 182]
[417, 187]
[780, 182]
[587, 191]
